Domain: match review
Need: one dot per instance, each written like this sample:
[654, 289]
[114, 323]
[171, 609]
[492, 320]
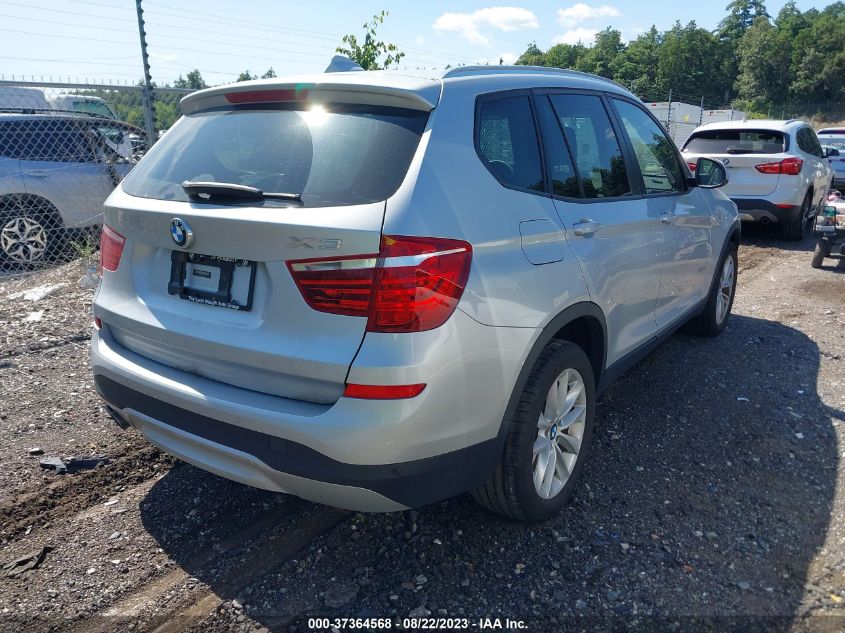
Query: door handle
[36, 173]
[586, 227]
[667, 218]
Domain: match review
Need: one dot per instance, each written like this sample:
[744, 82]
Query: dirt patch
[830, 290]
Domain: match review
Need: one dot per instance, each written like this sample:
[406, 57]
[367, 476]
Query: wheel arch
[582, 323]
[10, 200]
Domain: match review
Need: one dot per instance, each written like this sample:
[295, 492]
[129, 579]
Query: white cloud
[508, 58]
[578, 13]
[420, 39]
[501, 18]
[585, 36]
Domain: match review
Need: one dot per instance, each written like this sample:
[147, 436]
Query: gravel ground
[712, 499]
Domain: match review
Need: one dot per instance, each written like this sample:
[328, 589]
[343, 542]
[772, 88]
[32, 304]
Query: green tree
[763, 55]
[690, 62]
[246, 76]
[741, 15]
[636, 66]
[369, 54]
[790, 21]
[532, 56]
[600, 58]
[818, 57]
[270, 74]
[193, 81]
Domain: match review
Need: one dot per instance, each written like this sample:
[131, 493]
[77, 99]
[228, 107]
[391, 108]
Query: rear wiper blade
[195, 189]
[211, 189]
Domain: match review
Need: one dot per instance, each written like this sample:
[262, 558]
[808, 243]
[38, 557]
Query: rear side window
[594, 146]
[655, 153]
[332, 155]
[507, 141]
[736, 142]
[808, 141]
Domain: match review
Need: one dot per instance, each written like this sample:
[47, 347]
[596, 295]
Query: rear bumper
[272, 463]
[759, 209]
[359, 454]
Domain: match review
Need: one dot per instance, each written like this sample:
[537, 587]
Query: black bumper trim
[411, 484]
[759, 204]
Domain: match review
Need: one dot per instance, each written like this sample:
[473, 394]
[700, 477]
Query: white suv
[377, 291]
[777, 170]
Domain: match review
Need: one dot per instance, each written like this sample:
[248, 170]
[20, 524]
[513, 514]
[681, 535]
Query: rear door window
[594, 146]
[655, 153]
[561, 167]
[331, 155]
[736, 142]
[506, 139]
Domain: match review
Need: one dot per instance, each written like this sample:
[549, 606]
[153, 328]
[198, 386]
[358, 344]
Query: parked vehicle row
[375, 291]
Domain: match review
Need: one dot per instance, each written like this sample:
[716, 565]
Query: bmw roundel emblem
[181, 232]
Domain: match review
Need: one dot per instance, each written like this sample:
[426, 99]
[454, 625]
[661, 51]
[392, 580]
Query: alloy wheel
[23, 239]
[560, 431]
[726, 289]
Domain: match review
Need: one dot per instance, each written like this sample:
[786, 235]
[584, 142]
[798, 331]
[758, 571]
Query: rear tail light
[692, 166]
[412, 285]
[788, 167]
[111, 248]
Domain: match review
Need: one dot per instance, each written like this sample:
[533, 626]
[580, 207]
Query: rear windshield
[736, 142]
[330, 155]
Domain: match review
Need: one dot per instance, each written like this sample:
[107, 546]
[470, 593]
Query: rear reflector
[412, 285]
[784, 205]
[788, 167]
[265, 96]
[98, 324]
[383, 392]
[111, 248]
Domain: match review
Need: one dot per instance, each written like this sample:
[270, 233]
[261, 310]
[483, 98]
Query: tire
[511, 490]
[822, 251]
[794, 230]
[716, 313]
[31, 232]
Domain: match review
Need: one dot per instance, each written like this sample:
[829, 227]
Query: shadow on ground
[707, 494]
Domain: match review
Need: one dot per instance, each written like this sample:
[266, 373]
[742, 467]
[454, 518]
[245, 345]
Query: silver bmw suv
[376, 291]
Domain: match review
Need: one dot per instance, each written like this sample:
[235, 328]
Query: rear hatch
[204, 282]
[742, 151]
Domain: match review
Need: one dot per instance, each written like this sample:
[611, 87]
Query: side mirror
[710, 174]
[830, 152]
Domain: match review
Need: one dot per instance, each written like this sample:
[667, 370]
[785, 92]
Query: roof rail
[79, 113]
[544, 70]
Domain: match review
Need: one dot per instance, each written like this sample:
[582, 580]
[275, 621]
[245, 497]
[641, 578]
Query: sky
[97, 40]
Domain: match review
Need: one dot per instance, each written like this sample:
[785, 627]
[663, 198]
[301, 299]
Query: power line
[290, 32]
[228, 21]
[51, 10]
[65, 24]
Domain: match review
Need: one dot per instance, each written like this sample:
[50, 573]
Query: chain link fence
[63, 149]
